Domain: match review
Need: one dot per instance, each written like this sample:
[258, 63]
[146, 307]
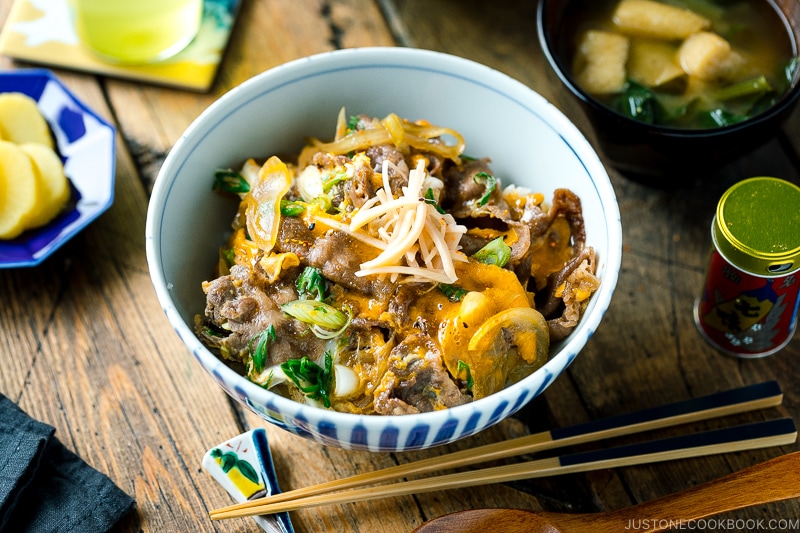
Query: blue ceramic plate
[85, 143]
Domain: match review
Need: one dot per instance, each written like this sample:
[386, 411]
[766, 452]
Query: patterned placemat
[41, 31]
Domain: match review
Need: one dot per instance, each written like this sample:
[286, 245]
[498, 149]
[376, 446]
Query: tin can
[748, 307]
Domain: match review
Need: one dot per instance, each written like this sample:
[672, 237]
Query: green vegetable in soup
[637, 102]
[722, 107]
[726, 62]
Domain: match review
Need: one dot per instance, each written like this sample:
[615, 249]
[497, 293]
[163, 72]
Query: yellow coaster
[40, 31]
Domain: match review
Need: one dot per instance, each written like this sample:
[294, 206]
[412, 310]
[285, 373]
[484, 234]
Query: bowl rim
[788, 99]
[395, 56]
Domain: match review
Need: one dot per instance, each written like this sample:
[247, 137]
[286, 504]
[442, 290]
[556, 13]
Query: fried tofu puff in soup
[385, 272]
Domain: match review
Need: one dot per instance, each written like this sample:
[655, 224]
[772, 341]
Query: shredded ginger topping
[416, 239]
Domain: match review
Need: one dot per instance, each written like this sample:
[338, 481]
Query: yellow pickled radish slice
[526, 328]
[263, 203]
[52, 181]
[19, 190]
[21, 121]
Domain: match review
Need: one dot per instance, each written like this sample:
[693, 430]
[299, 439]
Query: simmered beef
[390, 286]
[242, 308]
[416, 380]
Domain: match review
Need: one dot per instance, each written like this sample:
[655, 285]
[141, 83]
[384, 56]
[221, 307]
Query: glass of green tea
[136, 31]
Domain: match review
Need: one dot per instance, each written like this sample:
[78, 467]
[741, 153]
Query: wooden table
[86, 348]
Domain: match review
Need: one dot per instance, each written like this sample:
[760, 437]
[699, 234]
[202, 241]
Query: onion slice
[262, 204]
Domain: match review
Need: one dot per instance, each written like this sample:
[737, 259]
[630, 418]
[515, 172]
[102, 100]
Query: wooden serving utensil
[770, 481]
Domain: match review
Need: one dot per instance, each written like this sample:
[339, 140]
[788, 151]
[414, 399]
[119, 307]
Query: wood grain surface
[85, 347]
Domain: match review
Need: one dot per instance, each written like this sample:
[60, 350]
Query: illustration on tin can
[753, 321]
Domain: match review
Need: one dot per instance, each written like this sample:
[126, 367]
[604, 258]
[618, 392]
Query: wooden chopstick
[719, 404]
[744, 437]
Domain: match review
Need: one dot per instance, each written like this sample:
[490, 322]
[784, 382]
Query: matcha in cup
[136, 31]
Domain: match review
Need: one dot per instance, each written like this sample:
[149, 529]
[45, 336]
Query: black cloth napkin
[46, 488]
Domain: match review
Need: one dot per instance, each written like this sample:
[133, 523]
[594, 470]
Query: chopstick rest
[743, 437]
[738, 400]
[243, 466]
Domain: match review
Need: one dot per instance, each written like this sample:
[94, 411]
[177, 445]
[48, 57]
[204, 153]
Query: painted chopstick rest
[243, 466]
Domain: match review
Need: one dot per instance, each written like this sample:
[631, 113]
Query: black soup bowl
[659, 155]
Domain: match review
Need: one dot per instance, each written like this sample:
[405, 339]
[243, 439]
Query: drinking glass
[136, 31]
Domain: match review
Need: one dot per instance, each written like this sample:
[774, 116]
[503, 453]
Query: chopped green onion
[496, 252]
[326, 322]
[453, 292]
[429, 199]
[291, 209]
[311, 285]
[228, 255]
[323, 201]
[333, 180]
[352, 125]
[228, 180]
[268, 384]
[491, 183]
[314, 312]
[211, 332]
[462, 366]
[313, 380]
[258, 357]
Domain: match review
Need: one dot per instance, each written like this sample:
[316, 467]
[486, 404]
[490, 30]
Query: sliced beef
[360, 189]
[471, 243]
[462, 191]
[240, 306]
[335, 254]
[567, 204]
[328, 160]
[416, 381]
[398, 171]
[562, 309]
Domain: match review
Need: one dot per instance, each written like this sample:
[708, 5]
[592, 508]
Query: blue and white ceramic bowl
[85, 143]
[525, 136]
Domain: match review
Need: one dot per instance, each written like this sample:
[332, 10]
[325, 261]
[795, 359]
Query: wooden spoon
[770, 481]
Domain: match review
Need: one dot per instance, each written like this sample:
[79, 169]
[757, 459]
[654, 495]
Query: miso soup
[681, 63]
